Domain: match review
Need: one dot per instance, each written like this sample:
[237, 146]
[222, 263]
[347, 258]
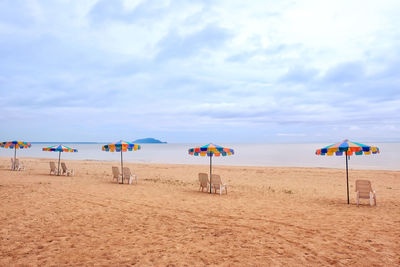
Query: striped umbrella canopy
[59, 149]
[347, 148]
[121, 146]
[15, 145]
[211, 150]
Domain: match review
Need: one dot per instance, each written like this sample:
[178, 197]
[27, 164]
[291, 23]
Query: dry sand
[271, 216]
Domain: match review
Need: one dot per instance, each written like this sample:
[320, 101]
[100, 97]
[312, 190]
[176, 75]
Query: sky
[200, 71]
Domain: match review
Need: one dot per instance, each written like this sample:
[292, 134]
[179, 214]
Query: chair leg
[358, 198]
[372, 199]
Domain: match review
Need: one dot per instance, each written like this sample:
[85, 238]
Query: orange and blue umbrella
[347, 148]
[121, 146]
[211, 150]
[59, 149]
[15, 145]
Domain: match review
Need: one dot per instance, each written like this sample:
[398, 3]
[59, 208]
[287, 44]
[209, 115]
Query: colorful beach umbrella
[347, 148]
[15, 145]
[121, 146]
[59, 149]
[211, 150]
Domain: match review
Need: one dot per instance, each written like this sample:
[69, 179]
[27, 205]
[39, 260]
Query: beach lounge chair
[129, 176]
[65, 170]
[204, 182]
[217, 184]
[53, 168]
[116, 175]
[18, 165]
[364, 190]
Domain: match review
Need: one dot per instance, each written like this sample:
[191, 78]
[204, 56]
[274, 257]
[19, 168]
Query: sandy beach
[270, 216]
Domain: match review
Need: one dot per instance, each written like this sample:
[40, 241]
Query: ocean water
[286, 155]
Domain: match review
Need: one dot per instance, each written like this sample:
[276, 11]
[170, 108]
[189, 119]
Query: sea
[269, 155]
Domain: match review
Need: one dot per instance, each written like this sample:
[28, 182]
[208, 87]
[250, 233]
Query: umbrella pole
[15, 157]
[347, 179]
[122, 167]
[59, 156]
[210, 171]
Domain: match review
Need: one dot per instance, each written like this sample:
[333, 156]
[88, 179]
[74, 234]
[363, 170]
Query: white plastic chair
[116, 174]
[217, 184]
[18, 165]
[66, 171]
[129, 176]
[204, 182]
[53, 168]
[364, 190]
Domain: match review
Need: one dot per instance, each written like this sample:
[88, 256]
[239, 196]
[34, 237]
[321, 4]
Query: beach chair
[217, 184]
[18, 165]
[364, 190]
[53, 168]
[129, 176]
[116, 175]
[65, 170]
[12, 164]
[204, 182]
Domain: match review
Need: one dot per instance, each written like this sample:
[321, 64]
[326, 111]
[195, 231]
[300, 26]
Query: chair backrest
[127, 172]
[115, 171]
[203, 179]
[63, 166]
[216, 179]
[364, 188]
[52, 166]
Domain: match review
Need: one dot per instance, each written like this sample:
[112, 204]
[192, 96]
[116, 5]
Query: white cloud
[263, 70]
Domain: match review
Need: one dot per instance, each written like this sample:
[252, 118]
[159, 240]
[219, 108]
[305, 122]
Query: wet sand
[270, 216]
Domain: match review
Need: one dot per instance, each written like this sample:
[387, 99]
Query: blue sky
[200, 71]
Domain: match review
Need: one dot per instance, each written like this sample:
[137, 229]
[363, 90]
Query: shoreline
[273, 155]
[199, 164]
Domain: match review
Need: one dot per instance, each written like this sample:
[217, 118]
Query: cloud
[260, 71]
[345, 72]
[9, 10]
[175, 45]
[298, 74]
[105, 10]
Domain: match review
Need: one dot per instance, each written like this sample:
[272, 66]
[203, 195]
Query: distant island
[149, 141]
